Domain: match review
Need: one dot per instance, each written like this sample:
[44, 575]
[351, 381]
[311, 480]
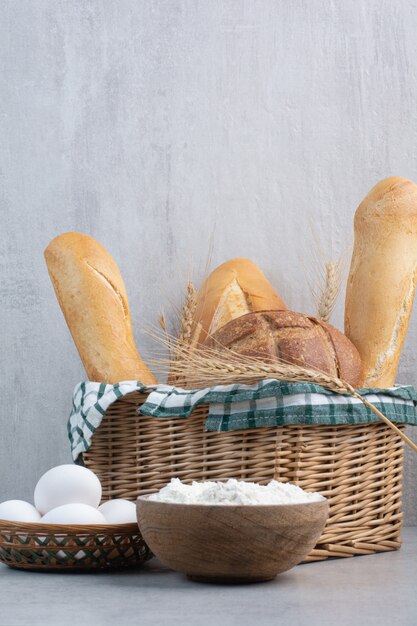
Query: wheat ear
[187, 314]
[330, 290]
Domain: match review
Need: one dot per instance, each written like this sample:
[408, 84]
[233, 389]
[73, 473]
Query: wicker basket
[357, 467]
[50, 547]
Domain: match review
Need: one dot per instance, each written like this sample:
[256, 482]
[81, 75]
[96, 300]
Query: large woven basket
[357, 467]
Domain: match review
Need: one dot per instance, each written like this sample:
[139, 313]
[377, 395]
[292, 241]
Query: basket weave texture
[358, 468]
[56, 547]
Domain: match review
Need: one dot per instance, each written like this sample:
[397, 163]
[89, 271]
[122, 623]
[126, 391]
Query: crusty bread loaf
[382, 277]
[293, 338]
[233, 289]
[92, 296]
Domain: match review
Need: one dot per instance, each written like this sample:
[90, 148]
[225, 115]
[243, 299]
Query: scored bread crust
[382, 278]
[93, 299]
[233, 289]
[349, 363]
[291, 337]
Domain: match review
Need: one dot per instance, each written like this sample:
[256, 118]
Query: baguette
[93, 299]
[233, 289]
[382, 278]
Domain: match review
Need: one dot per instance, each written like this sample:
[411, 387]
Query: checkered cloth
[232, 407]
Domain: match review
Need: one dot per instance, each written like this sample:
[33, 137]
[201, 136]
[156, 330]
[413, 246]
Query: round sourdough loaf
[293, 338]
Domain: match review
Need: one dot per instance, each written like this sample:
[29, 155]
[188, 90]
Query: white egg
[19, 511]
[67, 484]
[75, 513]
[119, 511]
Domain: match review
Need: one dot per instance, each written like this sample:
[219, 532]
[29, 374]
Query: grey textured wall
[157, 125]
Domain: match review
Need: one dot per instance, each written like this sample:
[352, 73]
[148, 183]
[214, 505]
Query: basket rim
[35, 528]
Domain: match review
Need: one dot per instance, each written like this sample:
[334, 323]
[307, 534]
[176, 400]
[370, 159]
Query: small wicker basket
[357, 467]
[51, 547]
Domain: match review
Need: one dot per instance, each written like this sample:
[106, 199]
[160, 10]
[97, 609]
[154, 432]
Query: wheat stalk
[205, 367]
[324, 271]
[329, 292]
[185, 333]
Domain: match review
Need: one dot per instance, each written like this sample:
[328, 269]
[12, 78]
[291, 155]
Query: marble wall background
[161, 126]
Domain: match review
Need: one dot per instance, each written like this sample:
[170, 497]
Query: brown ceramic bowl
[228, 543]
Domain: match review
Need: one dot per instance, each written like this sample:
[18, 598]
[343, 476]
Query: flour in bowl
[233, 492]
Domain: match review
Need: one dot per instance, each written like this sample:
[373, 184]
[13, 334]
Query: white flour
[233, 492]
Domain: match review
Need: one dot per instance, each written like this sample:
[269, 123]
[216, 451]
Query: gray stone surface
[377, 590]
[159, 126]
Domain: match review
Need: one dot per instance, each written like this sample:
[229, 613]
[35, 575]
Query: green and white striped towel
[232, 407]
